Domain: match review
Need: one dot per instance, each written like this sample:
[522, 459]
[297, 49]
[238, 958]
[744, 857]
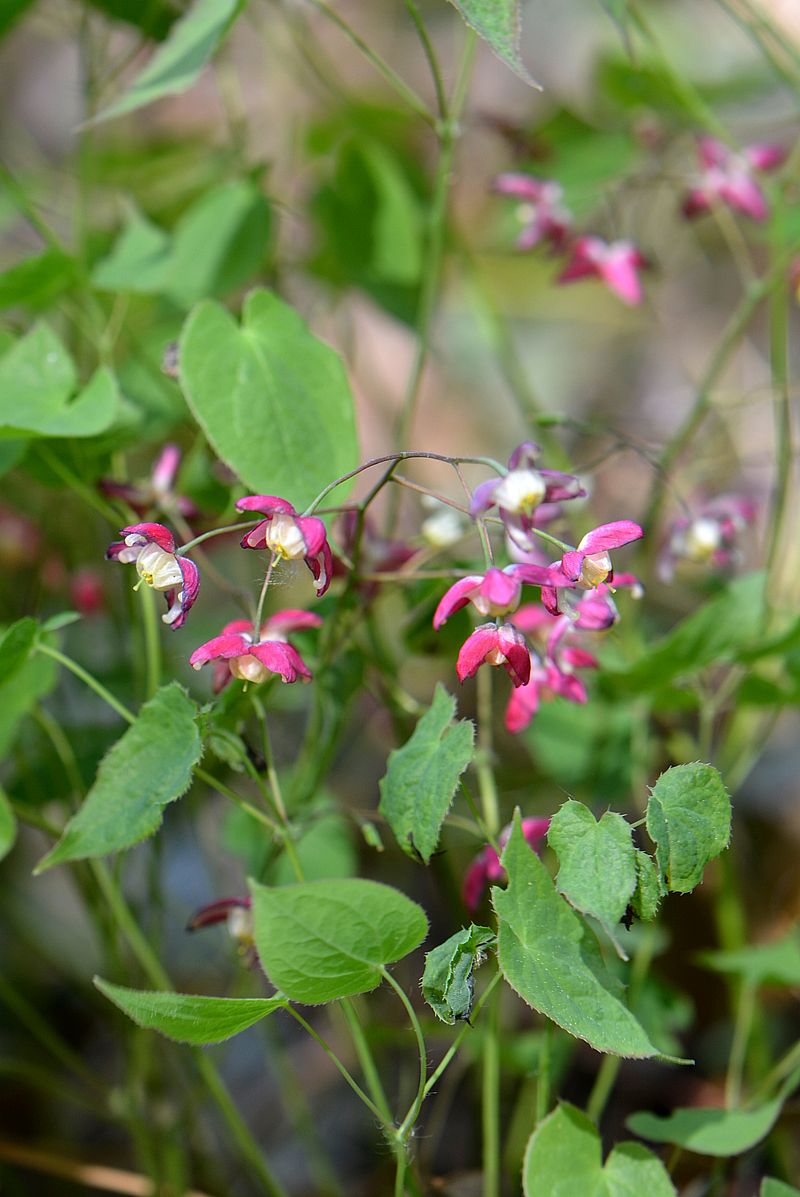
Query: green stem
[434, 250]
[152, 641]
[490, 1101]
[341, 1068]
[196, 540]
[784, 447]
[89, 680]
[483, 764]
[543, 1074]
[451, 1052]
[389, 74]
[407, 1125]
[395, 459]
[430, 54]
[741, 1033]
[367, 1062]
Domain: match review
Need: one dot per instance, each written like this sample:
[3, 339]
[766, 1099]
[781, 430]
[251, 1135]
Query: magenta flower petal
[156, 533]
[224, 647]
[535, 831]
[610, 536]
[582, 264]
[743, 194]
[291, 620]
[712, 152]
[561, 487]
[483, 497]
[765, 155]
[519, 186]
[571, 565]
[165, 468]
[266, 504]
[522, 705]
[514, 649]
[282, 659]
[475, 649]
[321, 567]
[619, 272]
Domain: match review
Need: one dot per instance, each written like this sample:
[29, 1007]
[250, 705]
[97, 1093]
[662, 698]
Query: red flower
[238, 654]
[543, 215]
[727, 177]
[289, 536]
[589, 565]
[616, 263]
[495, 644]
[151, 548]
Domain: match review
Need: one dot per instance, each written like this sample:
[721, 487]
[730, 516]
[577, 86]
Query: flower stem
[407, 1125]
[490, 1101]
[483, 763]
[401, 455]
[345, 1073]
[152, 642]
[191, 544]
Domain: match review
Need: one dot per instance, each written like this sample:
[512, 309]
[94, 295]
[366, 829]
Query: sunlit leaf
[323, 940]
[189, 1018]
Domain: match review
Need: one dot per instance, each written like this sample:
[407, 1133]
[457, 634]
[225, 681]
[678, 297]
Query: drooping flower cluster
[576, 591]
[241, 650]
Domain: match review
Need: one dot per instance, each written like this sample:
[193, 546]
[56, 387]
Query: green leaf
[38, 280]
[323, 940]
[421, 777]
[188, 1018]
[16, 645]
[11, 11]
[272, 399]
[37, 380]
[138, 261]
[498, 23]
[550, 956]
[177, 63]
[219, 243]
[597, 863]
[11, 454]
[776, 963]
[20, 692]
[647, 895]
[153, 18]
[8, 825]
[717, 632]
[324, 850]
[148, 767]
[776, 1188]
[448, 984]
[564, 1157]
[689, 820]
[709, 1131]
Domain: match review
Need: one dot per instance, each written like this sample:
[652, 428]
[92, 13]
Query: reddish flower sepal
[590, 565]
[486, 866]
[238, 654]
[497, 592]
[616, 263]
[290, 536]
[152, 549]
[727, 177]
[495, 644]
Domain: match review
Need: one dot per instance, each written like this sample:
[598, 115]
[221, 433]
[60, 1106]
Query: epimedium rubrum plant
[444, 733]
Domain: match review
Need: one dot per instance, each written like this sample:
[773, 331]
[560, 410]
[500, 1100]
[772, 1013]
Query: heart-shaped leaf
[689, 819]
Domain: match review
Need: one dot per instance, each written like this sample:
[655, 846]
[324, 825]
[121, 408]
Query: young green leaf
[177, 63]
[689, 820]
[20, 689]
[323, 940]
[776, 963]
[597, 862]
[188, 1018]
[37, 281]
[8, 825]
[709, 1131]
[498, 23]
[148, 767]
[138, 261]
[549, 955]
[273, 400]
[776, 1188]
[647, 895]
[421, 777]
[720, 630]
[448, 982]
[564, 1156]
[37, 382]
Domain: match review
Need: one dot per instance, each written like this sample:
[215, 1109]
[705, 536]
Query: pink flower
[590, 565]
[157, 491]
[521, 491]
[497, 591]
[552, 677]
[151, 548]
[543, 215]
[238, 654]
[290, 536]
[727, 177]
[237, 915]
[495, 644]
[709, 538]
[486, 866]
[616, 263]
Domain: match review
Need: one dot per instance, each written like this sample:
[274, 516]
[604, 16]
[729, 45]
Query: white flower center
[158, 568]
[701, 540]
[248, 668]
[520, 492]
[594, 570]
[284, 537]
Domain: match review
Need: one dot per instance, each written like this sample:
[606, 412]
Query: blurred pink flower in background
[727, 177]
[486, 866]
[615, 263]
[543, 216]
